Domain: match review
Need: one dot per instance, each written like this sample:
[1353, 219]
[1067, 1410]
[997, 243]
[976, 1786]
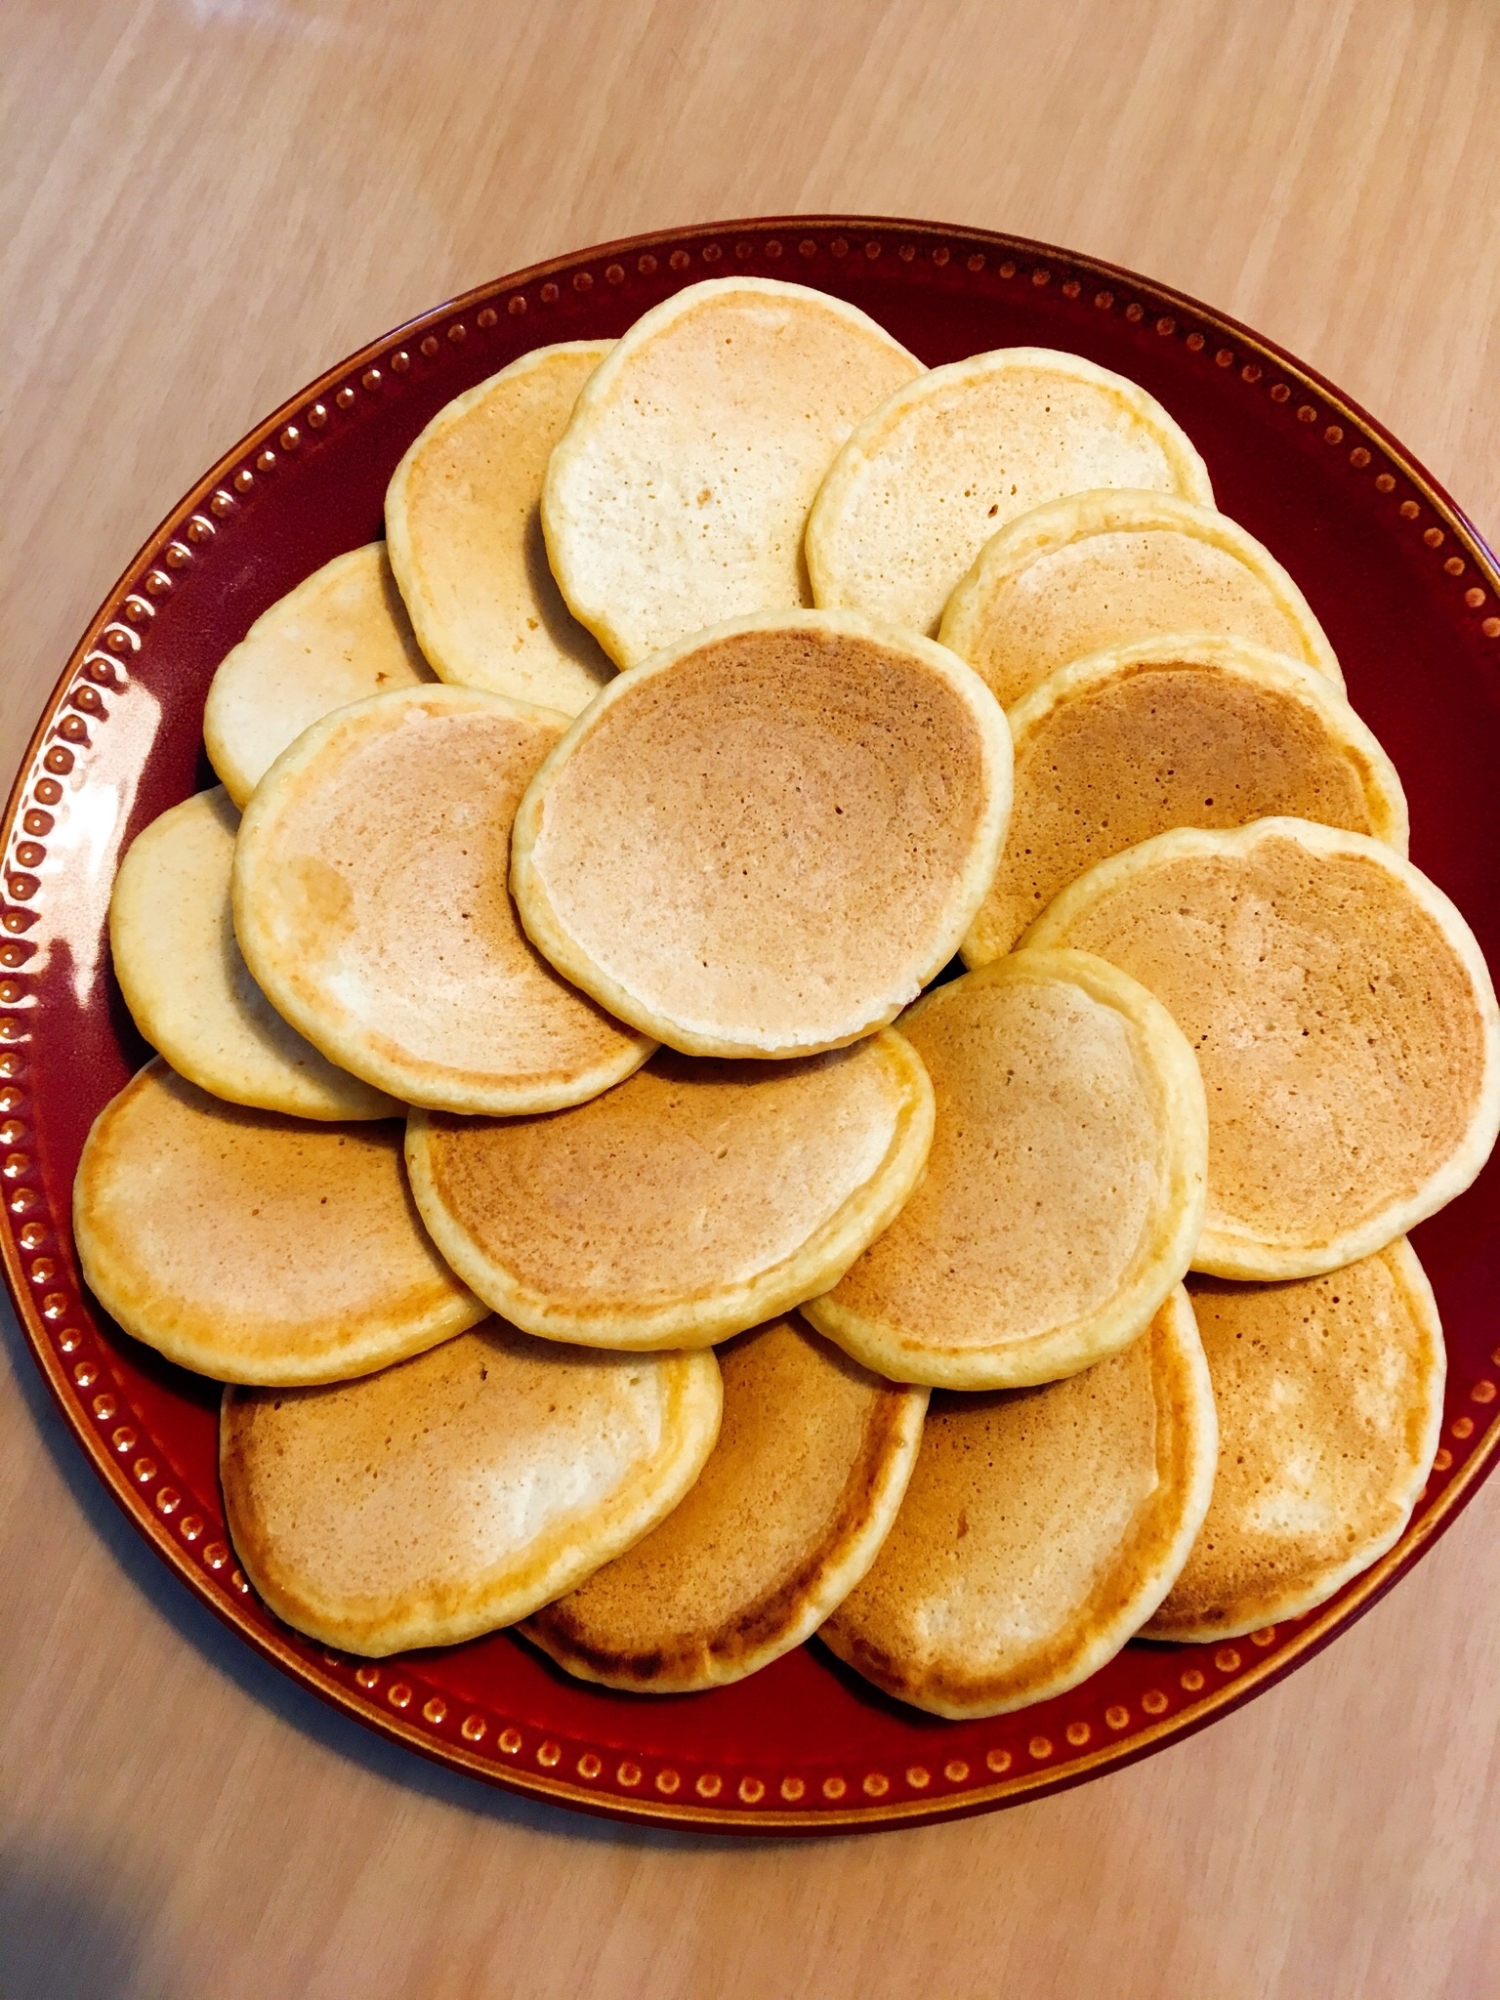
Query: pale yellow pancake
[1041, 1529]
[1095, 570]
[339, 636]
[463, 521]
[695, 1200]
[813, 1458]
[458, 1491]
[766, 841]
[949, 459]
[1064, 1193]
[679, 491]
[1343, 1019]
[370, 902]
[1330, 1400]
[253, 1247]
[171, 935]
[1187, 729]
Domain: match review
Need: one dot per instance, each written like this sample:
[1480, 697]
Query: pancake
[949, 459]
[1041, 1529]
[370, 902]
[1064, 1192]
[339, 636]
[767, 841]
[257, 1248]
[460, 1490]
[463, 520]
[1330, 1400]
[171, 934]
[1342, 1017]
[1184, 730]
[678, 493]
[1095, 570]
[696, 1199]
[789, 1512]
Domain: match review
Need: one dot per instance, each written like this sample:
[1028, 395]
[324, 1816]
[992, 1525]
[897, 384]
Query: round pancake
[950, 458]
[789, 1512]
[1064, 1192]
[339, 636]
[1330, 1399]
[693, 1201]
[766, 841]
[1094, 570]
[1040, 1530]
[460, 1490]
[171, 935]
[1189, 729]
[257, 1248]
[678, 493]
[463, 520]
[370, 902]
[1342, 1017]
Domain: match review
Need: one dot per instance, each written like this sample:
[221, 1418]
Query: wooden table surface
[205, 201]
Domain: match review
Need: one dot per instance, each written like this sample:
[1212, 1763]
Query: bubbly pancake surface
[767, 842]
[1095, 570]
[678, 494]
[1184, 730]
[1040, 1529]
[1329, 1392]
[950, 458]
[692, 1201]
[188, 988]
[1342, 1017]
[339, 636]
[1064, 1191]
[371, 904]
[463, 518]
[253, 1247]
[457, 1492]
[812, 1460]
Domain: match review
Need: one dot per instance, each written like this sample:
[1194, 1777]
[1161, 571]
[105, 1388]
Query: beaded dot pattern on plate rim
[1015, 1754]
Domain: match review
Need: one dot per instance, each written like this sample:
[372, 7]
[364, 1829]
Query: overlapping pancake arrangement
[747, 1267]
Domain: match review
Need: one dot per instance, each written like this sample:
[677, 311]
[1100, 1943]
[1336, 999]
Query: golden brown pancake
[948, 459]
[458, 1491]
[171, 934]
[463, 518]
[766, 842]
[1096, 570]
[1064, 1192]
[693, 1201]
[253, 1247]
[1330, 1400]
[1040, 1530]
[787, 1515]
[677, 496]
[370, 902]
[1342, 1017]
[339, 636]
[1189, 729]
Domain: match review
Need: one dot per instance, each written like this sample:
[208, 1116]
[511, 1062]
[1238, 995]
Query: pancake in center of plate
[370, 902]
[1040, 1530]
[1343, 1019]
[689, 1203]
[459, 1491]
[788, 1514]
[767, 841]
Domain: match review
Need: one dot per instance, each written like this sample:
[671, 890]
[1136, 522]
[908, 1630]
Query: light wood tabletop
[203, 203]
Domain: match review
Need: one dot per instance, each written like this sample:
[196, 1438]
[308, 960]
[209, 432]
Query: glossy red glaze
[1409, 597]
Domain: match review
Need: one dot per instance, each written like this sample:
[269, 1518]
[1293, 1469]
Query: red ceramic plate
[1408, 595]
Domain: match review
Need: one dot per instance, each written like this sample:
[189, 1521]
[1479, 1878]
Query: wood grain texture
[204, 201]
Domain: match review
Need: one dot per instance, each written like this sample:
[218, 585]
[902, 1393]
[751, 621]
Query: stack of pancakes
[740, 1271]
